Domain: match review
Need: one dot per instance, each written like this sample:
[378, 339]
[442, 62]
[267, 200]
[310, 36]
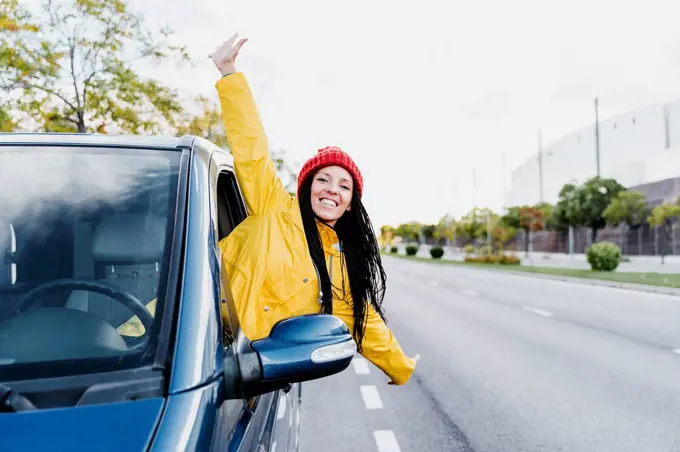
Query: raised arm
[255, 170]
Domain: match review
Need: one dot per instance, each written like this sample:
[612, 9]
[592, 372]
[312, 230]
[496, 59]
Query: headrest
[129, 238]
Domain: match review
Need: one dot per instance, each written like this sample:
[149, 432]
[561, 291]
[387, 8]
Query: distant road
[509, 363]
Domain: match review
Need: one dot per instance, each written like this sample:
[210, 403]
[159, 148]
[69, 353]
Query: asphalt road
[509, 363]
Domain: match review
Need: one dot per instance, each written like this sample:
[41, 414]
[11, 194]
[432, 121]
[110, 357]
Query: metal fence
[642, 241]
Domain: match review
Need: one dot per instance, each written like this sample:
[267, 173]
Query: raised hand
[225, 55]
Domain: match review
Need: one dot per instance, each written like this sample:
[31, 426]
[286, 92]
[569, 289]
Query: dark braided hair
[361, 255]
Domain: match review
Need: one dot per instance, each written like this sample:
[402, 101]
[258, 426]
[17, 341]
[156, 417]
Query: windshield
[85, 237]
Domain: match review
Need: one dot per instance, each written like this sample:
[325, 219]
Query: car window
[84, 247]
[230, 212]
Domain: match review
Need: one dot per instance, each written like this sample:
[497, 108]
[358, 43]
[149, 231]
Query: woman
[267, 257]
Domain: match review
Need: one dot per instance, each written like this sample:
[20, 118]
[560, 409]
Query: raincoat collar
[329, 238]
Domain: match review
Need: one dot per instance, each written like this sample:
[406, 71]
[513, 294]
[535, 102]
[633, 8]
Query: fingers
[238, 48]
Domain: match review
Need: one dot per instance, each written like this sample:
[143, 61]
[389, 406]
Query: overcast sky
[421, 93]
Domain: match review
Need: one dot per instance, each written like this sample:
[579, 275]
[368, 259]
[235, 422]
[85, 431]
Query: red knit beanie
[331, 156]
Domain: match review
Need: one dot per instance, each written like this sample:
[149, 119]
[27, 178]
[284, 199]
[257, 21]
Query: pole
[597, 137]
[540, 166]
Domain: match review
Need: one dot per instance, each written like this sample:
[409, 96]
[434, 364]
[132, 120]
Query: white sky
[420, 93]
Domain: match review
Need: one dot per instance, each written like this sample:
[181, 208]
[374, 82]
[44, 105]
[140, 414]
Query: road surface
[509, 363]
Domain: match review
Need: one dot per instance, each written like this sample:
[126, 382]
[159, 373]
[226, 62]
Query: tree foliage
[70, 67]
[527, 218]
[584, 205]
[627, 207]
[662, 216]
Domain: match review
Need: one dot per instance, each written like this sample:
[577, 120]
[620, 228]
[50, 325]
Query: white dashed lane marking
[281, 413]
[371, 397]
[469, 292]
[538, 311]
[386, 441]
[360, 366]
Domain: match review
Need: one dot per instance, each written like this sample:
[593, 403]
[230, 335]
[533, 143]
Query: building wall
[636, 147]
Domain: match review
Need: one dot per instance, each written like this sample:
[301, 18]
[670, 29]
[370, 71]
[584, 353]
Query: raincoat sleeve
[255, 170]
[382, 349]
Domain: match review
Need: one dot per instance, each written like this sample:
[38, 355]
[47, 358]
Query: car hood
[127, 426]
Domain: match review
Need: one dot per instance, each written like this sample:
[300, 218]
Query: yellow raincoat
[266, 257]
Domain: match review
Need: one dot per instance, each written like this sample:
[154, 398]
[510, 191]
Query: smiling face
[332, 189]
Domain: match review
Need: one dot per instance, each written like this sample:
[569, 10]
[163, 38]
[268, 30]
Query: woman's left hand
[225, 55]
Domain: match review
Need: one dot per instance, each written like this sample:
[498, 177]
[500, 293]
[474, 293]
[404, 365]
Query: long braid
[367, 278]
[315, 247]
[361, 255]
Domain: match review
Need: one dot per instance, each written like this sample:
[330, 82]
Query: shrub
[469, 248]
[503, 259]
[507, 259]
[394, 250]
[484, 250]
[411, 250]
[436, 252]
[604, 256]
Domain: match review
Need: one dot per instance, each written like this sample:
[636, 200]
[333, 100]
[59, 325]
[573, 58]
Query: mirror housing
[298, 349]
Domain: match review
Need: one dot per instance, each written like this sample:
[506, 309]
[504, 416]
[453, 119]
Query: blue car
[111, 290]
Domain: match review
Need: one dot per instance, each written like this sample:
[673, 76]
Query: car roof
[95, 139]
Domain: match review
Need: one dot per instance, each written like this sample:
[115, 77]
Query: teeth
[329, 202]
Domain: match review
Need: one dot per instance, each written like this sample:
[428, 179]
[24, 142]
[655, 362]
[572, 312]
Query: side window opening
[230, 209]
[230, 213]
[8, 246]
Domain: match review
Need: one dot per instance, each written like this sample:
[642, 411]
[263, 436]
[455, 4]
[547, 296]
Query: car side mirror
[298, 349]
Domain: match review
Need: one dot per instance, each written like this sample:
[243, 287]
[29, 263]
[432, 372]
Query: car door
[254, 426]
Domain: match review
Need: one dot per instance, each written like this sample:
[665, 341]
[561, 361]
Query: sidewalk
[637, 264]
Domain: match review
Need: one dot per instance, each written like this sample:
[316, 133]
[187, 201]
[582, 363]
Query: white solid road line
[538, 311]
[469, 292]
[676, 351]
[371, 397]
[360, 366]
[281, 413]
[433, 282]
[386, 441]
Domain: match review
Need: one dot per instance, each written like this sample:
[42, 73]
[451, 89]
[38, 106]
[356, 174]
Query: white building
[638, 147]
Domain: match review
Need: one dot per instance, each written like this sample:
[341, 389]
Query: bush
[503, 259]
[411, 250]
[394, 250]
[469, 248]
[436, 252]
[604, 256]
[484, 250]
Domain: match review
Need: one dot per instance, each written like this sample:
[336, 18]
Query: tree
[629, 208]
[471, 225]
[445, 229]
[386, 235]
[502, 234]
[663, 215]
[428, 231]
[561, 218]
[7, 124]
[70, 68]
[547, 209]
[527, 218]
[586, 204]
[208, 124]
[409, 231]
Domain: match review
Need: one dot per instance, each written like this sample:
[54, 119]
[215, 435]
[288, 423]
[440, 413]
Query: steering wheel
[104, 288]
